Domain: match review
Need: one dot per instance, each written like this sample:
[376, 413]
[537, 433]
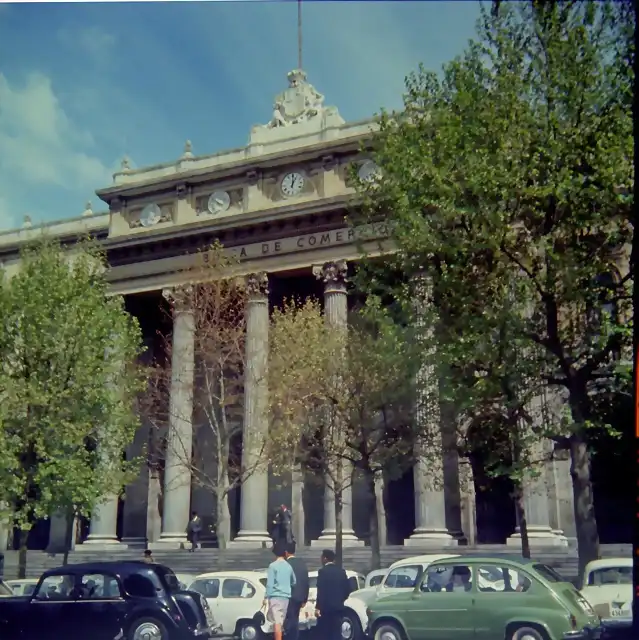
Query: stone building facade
[279, 204]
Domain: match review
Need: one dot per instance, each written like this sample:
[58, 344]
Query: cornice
[352, 144]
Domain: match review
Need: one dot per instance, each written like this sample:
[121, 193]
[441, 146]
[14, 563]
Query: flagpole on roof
[299, 34]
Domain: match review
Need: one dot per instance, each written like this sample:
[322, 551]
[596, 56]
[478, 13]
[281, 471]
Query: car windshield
[610, 575]
[548, 573]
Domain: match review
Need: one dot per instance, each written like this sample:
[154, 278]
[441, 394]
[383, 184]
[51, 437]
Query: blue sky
[81, 85]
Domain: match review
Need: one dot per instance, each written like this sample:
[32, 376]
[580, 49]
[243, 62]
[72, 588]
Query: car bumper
[208, 632]
[587, 633]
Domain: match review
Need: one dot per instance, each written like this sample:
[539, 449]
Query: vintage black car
[107, 601]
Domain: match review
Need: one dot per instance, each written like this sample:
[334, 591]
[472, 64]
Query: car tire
[248, 631]
[388, 631]
[352, 620]
[527, 633]
[147, 629]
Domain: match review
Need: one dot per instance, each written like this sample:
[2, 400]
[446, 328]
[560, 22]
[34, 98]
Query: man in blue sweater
[280, 580]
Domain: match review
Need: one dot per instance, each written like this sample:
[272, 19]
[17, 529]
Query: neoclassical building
[279, 203]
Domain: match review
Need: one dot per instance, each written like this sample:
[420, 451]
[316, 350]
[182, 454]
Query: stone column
[254, 493]
[468, 502]
[334, 277]
[428, 472]
[536, 501]
[177, 472]
[560, 496]
[297, 506]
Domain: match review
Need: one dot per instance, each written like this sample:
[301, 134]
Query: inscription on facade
[309, 241]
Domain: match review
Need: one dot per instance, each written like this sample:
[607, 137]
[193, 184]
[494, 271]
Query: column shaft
[254, 503]
[177, 471]
[428, 472]
[334, 275]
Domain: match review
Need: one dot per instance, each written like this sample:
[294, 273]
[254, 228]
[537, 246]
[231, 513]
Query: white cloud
[93, 41]
[39, 145]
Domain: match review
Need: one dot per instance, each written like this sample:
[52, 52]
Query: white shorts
[277, 608]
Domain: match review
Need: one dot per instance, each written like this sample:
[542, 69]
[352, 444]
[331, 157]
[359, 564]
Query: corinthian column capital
[334, 275]
[257, 285]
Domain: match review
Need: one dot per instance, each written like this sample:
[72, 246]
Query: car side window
[375, 580]
[494, 578]
[403, 577]
[236, 588]
[57, 588]
[140, 586]
[98, 586]
[448, 579]
[208, 588]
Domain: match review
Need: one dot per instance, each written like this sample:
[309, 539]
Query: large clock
[292, 184]
[368, 171]
[219, 201]
[150, 215]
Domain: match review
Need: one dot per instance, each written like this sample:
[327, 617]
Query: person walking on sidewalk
[280, 580]
[194, 530]
[299, 594]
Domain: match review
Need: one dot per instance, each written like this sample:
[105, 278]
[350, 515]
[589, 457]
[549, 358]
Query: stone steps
[356, 558]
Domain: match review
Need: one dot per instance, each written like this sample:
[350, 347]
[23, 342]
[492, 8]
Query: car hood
[366, 595]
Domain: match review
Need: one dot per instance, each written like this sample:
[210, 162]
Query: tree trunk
[585, 520]
[223, 524]
[68, 536]
[521, 519]
[339, 527]
[22, 554]
[376, 560]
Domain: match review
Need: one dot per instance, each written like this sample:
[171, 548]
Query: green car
[485, 598]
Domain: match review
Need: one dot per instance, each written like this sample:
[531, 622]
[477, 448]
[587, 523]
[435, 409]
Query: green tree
[509, 177]
[343, 405]
[69, 375]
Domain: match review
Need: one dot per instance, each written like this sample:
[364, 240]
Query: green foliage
[508, 181]
[68, 383]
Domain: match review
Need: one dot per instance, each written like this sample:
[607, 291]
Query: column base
[97, 542]
[329, 539]
[433, 538]
[252, 540]
[539, 538]
[134, 542]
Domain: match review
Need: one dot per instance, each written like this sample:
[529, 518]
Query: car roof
[423, 559]
[116, 567]
[349, 572]
[246, 575]
[609, 563]
[23, 581]
[495, 557]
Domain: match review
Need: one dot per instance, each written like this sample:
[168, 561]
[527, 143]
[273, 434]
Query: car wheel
[388, 631]
[527, 633]
[147, 629]
[351, 628]
[248, 631]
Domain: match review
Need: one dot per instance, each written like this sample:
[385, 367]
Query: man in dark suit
[332, 591]
[299, 594]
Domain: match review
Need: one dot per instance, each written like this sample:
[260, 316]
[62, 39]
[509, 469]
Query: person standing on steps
[299, 594]
[280, 580]
[332, 591]
[193, 531]
[148, 556]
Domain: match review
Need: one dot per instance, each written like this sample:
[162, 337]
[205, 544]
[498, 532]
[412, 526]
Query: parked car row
[428, 597]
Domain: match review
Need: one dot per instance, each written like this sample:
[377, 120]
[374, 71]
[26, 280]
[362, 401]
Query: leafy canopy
[68, 383]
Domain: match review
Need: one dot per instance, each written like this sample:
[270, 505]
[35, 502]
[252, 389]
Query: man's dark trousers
[292, 620]
[329, 626]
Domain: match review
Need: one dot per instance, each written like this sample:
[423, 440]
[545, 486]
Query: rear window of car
[610, 575]
[5, 590]
[169, 579]
[548, 573]
[375, 580]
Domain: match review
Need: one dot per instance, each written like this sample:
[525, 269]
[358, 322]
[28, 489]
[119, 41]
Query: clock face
[150, 215]
[219, 201]
[368, 171]
[292, 184]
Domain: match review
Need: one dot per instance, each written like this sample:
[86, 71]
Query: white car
[185, 579]
[235, 597]
[24, 587]
[355, 618]
[607, 585]
[401, 575]
[374, 578]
